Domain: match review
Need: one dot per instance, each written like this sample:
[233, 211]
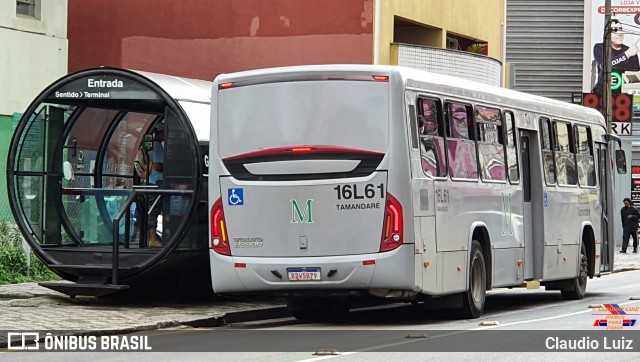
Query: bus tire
[473, 299]
[578, 286]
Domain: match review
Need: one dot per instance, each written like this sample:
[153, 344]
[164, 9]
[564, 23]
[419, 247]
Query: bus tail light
[219, 236]
[301, 149]
[393, 228]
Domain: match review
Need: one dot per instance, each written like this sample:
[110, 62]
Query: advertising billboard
[625, 59]
[625, 45]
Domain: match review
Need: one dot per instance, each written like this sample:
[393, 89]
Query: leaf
[477, 48]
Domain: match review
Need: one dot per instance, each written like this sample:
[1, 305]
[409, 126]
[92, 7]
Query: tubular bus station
[76, 195]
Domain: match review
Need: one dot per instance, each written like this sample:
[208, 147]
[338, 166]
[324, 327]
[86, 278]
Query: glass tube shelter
[80, 199]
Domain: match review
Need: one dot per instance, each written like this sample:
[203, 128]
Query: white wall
[34, 52]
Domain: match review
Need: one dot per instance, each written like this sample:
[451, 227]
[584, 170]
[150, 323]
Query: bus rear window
[349, 114]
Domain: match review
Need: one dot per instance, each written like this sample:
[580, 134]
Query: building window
[26, 7]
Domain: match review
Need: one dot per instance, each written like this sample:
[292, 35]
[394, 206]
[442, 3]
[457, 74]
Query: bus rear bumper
[389, 270]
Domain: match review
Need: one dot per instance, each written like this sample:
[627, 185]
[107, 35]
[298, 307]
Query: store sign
[635, 186]
[624, 31]
[621, 110]
[616, 81]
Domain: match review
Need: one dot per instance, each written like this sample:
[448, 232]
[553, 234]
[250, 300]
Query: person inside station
[149, 166]
[156, 177]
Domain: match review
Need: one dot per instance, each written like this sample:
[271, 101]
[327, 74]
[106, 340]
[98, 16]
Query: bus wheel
[578, 286]
[473, 298]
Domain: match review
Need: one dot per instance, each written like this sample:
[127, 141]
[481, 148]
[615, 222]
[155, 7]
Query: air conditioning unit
[452, 43]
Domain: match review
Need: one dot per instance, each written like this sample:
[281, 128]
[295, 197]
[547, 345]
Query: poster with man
[625, 60]
[625, 45]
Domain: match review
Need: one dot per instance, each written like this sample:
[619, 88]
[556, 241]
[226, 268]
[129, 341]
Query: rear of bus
[302, 198]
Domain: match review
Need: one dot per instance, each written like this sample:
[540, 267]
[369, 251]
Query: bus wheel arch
[481, 235]
[589, 242]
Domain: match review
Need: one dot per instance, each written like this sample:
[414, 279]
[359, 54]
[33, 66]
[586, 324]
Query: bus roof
[437, 82]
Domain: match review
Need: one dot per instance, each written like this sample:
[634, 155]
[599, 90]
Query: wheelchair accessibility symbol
[236, 197]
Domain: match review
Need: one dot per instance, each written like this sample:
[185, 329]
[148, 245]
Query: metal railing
[126, 210]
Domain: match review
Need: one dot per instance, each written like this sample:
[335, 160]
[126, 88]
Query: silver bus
[341, 181]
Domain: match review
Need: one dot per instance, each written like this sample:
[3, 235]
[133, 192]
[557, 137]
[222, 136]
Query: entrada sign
[104, 87]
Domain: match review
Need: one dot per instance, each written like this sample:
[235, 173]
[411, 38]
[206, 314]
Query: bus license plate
[304, 274]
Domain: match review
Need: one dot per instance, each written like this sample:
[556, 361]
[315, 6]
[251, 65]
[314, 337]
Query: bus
[335, 182]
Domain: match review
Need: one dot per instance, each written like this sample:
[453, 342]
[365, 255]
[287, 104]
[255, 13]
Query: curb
[239, 316]
[230, 317]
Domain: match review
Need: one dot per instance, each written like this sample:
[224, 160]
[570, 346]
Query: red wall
[203, 38]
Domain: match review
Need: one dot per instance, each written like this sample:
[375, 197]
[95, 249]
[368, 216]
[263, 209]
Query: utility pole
[606, 66]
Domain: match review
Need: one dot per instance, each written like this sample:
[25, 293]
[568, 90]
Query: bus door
[424, 160]
[601, 165]
[532, 211]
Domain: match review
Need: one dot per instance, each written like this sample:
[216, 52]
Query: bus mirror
[621, 162]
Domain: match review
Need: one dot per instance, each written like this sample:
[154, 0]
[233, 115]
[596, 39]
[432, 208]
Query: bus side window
[511, 150]
[566, 173]
[431, 114]
[413, 124]
[490, 143]
[461, 145]
[584, 156]
[547, 151]
[431, 133]
[458, 121]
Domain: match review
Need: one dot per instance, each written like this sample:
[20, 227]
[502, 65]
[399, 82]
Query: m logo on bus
[302, 216]
[507, 224]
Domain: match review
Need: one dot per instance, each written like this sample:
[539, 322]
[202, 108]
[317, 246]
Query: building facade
[201, 39]
[33, 34]
[44, 40]
[544, 45]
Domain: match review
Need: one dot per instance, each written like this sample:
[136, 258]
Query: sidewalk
[628, 261]
[29, 307]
